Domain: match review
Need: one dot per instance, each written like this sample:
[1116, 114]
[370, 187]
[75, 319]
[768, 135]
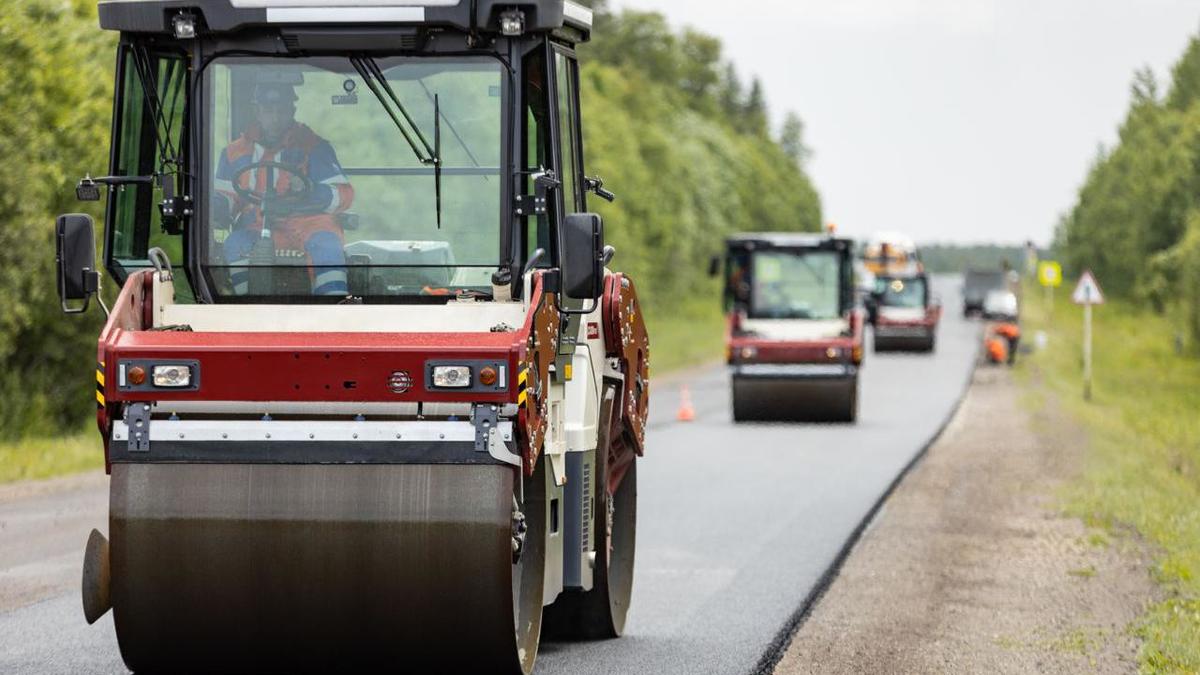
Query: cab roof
[792, 240]
[227, 16]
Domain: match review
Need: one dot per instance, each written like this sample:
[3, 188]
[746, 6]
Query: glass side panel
[537, 148]
[565, 67]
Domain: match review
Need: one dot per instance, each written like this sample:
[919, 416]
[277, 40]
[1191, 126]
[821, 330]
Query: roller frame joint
[486, 419]
[137, 419]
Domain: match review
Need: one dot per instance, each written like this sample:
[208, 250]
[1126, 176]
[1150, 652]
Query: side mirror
[76, 260]
[584, 256]
[714, 266]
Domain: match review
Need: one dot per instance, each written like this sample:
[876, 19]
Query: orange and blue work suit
[313, 228]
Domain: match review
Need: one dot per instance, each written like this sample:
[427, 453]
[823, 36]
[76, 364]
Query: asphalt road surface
[738, 525]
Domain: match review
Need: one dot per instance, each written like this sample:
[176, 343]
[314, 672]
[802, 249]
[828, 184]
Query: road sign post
[1087, 293]
[1050, 277]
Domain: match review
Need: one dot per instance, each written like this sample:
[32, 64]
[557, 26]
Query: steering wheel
[293, 196]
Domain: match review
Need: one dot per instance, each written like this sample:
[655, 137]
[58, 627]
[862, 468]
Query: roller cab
[370, 397]
[795, 336]
[904, 313]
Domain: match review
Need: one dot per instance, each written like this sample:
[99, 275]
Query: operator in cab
[281, 175]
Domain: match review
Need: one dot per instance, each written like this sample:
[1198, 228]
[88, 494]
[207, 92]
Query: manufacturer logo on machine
[400, 382]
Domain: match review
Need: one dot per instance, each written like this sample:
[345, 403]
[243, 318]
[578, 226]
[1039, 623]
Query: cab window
[149, 139]
[566, 73]
[537, 148]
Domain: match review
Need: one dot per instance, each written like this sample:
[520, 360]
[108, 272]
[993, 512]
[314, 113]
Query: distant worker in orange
[1011, 333]
[1004, 334]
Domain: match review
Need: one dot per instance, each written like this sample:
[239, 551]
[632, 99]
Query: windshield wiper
[378, 84]
[426, 154]
[450, 125]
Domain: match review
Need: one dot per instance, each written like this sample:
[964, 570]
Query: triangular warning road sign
[1087, 292]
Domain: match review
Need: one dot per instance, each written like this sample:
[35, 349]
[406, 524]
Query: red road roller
[371, 398]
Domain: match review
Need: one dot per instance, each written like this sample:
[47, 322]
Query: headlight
[452, 377]
[173, 376]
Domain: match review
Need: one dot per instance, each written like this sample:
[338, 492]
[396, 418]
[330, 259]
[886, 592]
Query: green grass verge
[36, 458]
[689, 335]
[1142, 466]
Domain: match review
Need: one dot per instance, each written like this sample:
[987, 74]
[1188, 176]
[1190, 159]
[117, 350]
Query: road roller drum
[261, 568]
[782, 399]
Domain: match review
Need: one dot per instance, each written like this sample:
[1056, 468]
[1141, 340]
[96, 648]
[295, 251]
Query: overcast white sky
[950, 120]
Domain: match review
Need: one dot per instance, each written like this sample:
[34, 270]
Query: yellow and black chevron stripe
[100, 384]
[523, 386]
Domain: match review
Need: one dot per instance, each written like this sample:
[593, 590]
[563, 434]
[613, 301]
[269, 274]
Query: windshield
[323, 179]
[796, 285]
[901, 292]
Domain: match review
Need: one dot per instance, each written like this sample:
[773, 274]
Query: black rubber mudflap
[248, 568]
[784, 399]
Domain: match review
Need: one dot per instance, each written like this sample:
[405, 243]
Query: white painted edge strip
[307, 431]
[345, 15]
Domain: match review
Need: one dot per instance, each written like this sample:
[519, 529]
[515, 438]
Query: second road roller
[370, 397]
[795, 332]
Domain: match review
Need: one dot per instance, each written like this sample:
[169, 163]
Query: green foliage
[667, 125]
[791, 140]
[55, 72]
[1136, 220]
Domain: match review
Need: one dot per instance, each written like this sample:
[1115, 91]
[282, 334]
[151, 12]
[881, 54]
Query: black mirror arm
[567, 311]
[596, 186]
[533, 261]
[91, 283]
[88, 189]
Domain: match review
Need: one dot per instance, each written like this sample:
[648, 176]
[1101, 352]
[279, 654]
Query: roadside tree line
[1137, 221]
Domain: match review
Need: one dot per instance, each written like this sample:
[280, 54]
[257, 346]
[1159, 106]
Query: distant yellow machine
[891, 254]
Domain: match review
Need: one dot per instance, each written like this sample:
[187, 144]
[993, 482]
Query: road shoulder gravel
[970, 567]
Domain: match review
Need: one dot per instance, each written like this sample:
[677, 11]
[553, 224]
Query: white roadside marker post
[1087, 351]
[1087, 293]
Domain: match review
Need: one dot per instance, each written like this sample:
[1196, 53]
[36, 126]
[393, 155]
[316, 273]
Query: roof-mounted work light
[512, 22]
[184, 26]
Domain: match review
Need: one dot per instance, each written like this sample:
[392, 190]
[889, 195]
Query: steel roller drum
[316, 568]
[761, 399]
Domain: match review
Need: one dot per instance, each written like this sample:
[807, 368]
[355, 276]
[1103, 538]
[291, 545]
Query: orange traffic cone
[687, 413]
